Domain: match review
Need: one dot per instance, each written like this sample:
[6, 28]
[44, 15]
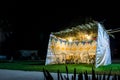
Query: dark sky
[33, 33]
[33, 26]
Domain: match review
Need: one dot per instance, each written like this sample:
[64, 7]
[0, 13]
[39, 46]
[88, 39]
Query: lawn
[38, 66]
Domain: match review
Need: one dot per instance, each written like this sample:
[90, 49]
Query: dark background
[31, 27]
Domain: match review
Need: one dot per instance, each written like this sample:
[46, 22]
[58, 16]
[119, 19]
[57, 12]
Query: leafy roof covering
[79, 32]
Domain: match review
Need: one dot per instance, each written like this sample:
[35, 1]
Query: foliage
[80, 76]
[75, 32]
[39, 65]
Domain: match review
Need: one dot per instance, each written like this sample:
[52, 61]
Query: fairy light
[88, 37]
[70, 40]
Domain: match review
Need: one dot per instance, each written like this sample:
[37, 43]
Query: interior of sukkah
[74, 45]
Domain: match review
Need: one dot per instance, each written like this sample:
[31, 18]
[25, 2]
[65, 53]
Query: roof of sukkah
[78, 32]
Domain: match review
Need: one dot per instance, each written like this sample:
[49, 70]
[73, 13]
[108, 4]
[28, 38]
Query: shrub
[80, 76]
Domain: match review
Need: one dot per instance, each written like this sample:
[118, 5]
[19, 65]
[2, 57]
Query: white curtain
[49, 56]
[103, 54]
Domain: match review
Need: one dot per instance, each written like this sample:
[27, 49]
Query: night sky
[36, 29]
[32, 27]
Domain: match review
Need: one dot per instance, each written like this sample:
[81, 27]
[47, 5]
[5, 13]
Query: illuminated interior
[75, 45]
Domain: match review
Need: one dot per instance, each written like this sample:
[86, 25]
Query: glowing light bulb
[89, 37]
[70, 40]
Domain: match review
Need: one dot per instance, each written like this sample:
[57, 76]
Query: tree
[6, 37]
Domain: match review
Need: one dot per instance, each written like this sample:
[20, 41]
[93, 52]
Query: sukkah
[86, 43]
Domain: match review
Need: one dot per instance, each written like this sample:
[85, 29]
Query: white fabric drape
[49, 53]
[103, 54]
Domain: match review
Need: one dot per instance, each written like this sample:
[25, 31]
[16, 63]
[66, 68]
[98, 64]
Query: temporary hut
[86, 43]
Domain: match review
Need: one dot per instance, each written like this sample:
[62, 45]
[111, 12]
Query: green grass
[37, 66]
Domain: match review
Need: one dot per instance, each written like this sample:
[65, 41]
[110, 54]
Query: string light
[70, 40]
[88, 37]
